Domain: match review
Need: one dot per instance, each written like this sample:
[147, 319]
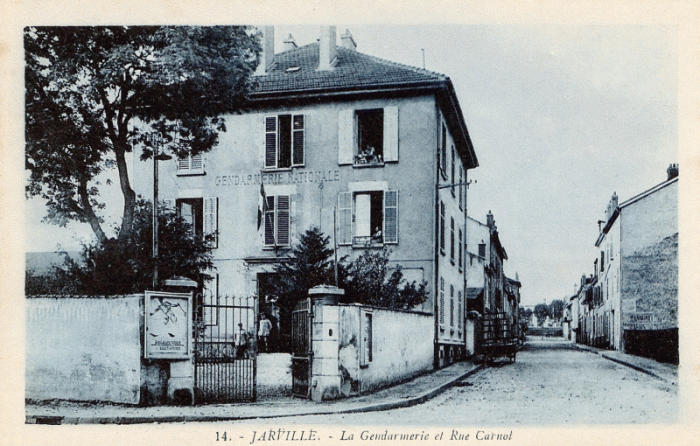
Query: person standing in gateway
[264, 332]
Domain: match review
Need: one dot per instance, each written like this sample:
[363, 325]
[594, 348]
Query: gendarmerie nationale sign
[292, 177]
[168, 331]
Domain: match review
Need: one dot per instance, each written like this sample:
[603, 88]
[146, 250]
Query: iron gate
[226, 350]
[301, 348]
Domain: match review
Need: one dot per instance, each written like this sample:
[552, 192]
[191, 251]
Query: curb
[371, 407]
[622, 362]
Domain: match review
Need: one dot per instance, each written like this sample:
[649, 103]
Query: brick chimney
[672, 171]
[290, 43]
[327, 50]
[268, 52]
[348, 41]
[489, 221]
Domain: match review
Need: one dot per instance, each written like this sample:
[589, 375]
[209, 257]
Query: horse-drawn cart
[499, 337]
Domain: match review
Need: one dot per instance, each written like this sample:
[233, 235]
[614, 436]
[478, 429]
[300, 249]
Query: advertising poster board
[168, 331]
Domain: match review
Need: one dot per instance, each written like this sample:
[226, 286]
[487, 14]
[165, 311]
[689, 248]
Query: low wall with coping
[83, 348]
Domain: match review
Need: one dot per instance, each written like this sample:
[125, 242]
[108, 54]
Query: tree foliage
[365, 280]
[95, 94]
[124, 267]
[541, 312]
[556, 309]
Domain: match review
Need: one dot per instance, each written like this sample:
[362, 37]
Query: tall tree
[124, 267]
[94, 94]
[541, 312]
[556, 309]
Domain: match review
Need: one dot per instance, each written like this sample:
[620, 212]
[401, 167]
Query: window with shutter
[368, 218]
[277, 221]
[443, 152]
[452, 175]
[284, 141]
[461, 187]
[460, 316]
[191, 165]
[459, 260]
[442, 228]
[452, 306]
[441, 308]
[452, 240]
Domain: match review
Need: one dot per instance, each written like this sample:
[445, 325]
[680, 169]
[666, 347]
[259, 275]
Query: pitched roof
[295, 71]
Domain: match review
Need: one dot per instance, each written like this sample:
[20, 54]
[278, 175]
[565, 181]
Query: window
[190, 165]
[368, 218]
[277, 221]
[366, 357]
[452, 240]
[602, 261]
[284, 141]
[460, 317]
[201, 214]
[460, 250]
[368, 137]
[443, 152]
[452, 176]
[442, 228]
[482, 250]
[441, 309]
[452, 306]
[461, 187]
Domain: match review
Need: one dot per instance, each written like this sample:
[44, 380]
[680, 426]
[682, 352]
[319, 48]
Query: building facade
[631, 301]
[371, 152]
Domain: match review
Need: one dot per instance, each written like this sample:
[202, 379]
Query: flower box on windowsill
[367, 242]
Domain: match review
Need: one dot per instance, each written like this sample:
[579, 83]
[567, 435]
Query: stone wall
[83, 348]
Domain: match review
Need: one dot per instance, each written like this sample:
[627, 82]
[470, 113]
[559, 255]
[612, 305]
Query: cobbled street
[549, 384]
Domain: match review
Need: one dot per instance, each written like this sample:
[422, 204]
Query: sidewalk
[407, 394]
[664, 372]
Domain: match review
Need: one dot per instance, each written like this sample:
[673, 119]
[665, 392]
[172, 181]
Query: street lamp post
[156, 157]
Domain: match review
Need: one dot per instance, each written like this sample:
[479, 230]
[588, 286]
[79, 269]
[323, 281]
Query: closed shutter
[298, 140]
[211, 218]
[183, 163]
[460, 316]
[346, 136]
[391, 134]
[391, 216]
[452, 306]
[197, 162]
[270, 221]
[271, 142]
[441, 309]
[344, 218]
[283, 220]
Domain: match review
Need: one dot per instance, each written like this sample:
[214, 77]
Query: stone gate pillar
[325, 374]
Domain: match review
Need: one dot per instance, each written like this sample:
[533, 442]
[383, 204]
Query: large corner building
[372, 152]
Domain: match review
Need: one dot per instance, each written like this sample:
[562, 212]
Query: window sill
[364, 165]
[278, 169]
[442, 251]
[452, 261]
[272, 248]
[190, 173]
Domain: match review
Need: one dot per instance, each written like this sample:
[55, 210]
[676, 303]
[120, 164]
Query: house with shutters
[372, 152]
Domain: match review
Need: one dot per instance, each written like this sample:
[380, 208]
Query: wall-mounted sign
[640, 321]
[168, 322]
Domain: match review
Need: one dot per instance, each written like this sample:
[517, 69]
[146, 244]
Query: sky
[560, 117]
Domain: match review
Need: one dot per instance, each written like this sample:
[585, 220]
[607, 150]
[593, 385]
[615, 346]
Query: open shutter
[283, 220]
[270, 221]
[391, 134]
[211, 218]
[346, 137]
[270, 142]
[344, 229]
[168, 204]
[391, 216]
[298, 140]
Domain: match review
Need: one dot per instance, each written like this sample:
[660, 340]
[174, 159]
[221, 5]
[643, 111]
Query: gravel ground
[549, 384]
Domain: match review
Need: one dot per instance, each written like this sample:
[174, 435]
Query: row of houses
[630, 300]
[373, 153]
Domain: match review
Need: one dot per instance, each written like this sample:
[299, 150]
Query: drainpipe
[436, 245]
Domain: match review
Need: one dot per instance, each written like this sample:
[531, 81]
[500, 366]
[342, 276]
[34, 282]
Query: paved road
[549, 384]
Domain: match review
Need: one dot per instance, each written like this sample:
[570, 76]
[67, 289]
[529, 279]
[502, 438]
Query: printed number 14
[221, 437]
